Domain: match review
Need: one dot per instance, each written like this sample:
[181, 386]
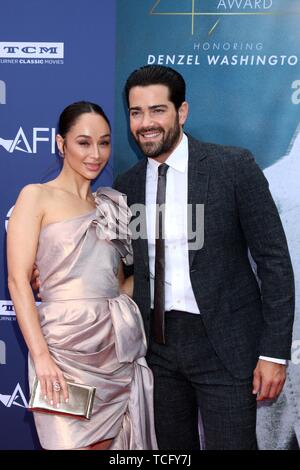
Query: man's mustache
[149, 129]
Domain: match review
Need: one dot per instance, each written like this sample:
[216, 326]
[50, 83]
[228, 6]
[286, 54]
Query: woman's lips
[93, 166]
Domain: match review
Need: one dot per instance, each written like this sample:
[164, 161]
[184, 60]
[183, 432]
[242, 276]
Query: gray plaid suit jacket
[242, 320]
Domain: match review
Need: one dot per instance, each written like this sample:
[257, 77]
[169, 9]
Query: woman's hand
[126, 284]
[53, 384]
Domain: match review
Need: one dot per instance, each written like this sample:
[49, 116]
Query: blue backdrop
[36, 82]
[241, 62]
[232, 100]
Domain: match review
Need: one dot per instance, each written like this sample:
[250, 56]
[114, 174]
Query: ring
[56, 386]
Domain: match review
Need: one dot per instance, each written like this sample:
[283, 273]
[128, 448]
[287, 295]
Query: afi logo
[2, 92]
[17, 398]
[21, 143]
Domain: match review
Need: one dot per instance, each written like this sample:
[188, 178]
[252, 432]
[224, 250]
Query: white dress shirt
[178, 289]
[179, 294]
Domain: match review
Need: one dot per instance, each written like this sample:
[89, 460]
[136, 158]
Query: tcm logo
[26, 144]
[17, 398]
[2, 92]
[7, 309]
[31, 50]
[2, 352]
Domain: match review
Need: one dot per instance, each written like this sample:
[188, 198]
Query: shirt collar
[177, 160]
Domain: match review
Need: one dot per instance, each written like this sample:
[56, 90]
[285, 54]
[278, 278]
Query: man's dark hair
[158, 75]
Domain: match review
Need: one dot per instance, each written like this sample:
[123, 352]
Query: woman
[84, 330]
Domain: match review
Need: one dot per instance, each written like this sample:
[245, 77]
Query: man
[216, 340]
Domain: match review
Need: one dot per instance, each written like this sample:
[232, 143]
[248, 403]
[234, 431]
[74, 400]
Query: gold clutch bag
[80, 404]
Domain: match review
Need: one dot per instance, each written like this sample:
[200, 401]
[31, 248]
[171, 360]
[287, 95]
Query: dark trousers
[188, 375]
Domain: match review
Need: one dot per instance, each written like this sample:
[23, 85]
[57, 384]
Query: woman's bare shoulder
[42, 190]
[34, 196]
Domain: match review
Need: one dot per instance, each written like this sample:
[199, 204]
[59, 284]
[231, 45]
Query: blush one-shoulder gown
[94, 333]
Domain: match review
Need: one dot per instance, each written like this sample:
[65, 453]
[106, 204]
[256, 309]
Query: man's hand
[35, 280]
[268, 380]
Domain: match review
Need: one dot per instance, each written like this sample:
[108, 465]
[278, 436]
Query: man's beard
[165, 145]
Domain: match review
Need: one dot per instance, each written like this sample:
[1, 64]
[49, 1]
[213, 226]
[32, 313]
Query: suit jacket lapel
[198, 178]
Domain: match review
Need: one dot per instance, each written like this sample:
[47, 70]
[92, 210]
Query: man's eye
[158, 111]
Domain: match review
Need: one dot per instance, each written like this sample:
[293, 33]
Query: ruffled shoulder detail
[112, 221]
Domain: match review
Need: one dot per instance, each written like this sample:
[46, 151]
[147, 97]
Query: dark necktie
[159, 281]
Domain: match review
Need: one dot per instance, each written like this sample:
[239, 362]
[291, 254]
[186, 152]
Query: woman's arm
[126, 284]
[22, 241]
